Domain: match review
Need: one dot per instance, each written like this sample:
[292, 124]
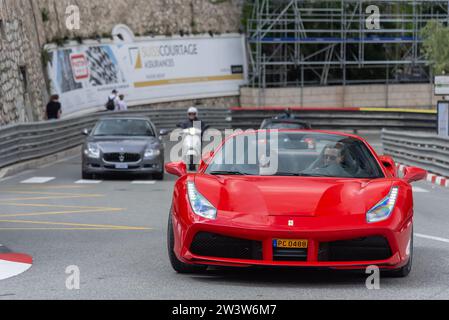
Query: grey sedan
[123, 145]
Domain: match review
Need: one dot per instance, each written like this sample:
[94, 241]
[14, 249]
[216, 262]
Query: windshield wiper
[292, 174]
[287, 174]
[227, 173]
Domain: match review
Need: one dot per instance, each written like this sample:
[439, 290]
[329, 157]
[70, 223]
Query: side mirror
[164, 132]
[86, 132]
[414, 174]
[389, 164]
[178, 169]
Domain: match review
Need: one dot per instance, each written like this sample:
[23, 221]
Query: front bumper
[348, 230]
[144, 166]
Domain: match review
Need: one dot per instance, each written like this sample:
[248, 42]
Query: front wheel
[178, 265]
[192, 165]
[87, 176]
[159, 176]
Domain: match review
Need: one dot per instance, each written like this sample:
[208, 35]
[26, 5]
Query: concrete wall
[400, 96]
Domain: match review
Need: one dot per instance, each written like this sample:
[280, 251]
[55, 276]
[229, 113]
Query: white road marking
[38, 180]
[420, 190]
[88, 181]
[423, 236]
[143, 182]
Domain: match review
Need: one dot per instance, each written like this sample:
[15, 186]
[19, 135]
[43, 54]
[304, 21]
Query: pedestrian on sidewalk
[111, 105]
[121, 103]
[53, 110]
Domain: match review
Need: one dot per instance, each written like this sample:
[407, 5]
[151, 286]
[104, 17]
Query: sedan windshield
[284, 125]
[123, 127]
[295, 154]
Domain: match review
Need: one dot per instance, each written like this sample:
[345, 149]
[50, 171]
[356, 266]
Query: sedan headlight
[200, 205]
[92, 151]
[383, 210]
[152, 153]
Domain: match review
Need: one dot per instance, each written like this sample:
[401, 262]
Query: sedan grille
[214, 245]
[121, 157]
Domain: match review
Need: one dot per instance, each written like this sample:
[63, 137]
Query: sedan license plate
[121, 166]
[291, 244]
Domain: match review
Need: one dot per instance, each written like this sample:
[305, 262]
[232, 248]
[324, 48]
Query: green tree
[436, 46]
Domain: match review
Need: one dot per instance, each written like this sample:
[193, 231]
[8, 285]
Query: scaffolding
[295, 43]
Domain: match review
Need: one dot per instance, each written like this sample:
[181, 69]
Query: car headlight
[200, 205]
[152, 153]
[92, 151]
[383, 210]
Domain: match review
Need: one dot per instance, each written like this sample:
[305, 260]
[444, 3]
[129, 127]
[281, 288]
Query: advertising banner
[442, 85]
[443, 118]
[149, 70]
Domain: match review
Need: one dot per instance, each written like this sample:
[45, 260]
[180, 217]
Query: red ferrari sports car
[263, 198]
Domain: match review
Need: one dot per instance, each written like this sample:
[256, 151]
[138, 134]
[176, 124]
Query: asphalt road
[114, 231]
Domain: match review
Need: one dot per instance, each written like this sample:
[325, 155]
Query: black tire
[159, 176]
[192, 166]
[405, 270]
[179, 266]
[87, 176]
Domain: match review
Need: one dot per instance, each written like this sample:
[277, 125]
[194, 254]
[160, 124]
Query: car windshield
[284, 125]
[295, 154]
[123, 127]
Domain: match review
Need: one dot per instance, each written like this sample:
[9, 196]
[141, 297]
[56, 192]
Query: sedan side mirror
[86, 132]
[178, 169]
[414, 174]
[389, 164]
[164, 132]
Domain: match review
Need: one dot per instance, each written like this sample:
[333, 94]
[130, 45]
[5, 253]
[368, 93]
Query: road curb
[432, 178]
[14, 264]
[36, 163]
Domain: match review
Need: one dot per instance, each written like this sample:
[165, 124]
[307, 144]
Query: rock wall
[144, 17]
[26, 25]
[22, 83]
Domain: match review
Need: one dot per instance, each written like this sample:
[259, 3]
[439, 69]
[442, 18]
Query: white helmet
[192, 110]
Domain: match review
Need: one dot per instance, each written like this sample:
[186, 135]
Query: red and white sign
[80, 67]
[13, 264]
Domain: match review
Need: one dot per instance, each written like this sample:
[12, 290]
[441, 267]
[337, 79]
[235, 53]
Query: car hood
[292, 196]
[125, 144]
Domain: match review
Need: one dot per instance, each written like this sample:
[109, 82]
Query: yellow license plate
[291, 244]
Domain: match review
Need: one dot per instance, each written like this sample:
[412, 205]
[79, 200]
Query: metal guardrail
[342, 119]
[22, 142]
[427, 151]
[29, 141]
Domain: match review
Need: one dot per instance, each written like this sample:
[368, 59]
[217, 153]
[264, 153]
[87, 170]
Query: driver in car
[331, 163]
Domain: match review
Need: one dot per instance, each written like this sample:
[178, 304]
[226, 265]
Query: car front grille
[363, 249]
[281, 254]
[121, 157]
[218, 246]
